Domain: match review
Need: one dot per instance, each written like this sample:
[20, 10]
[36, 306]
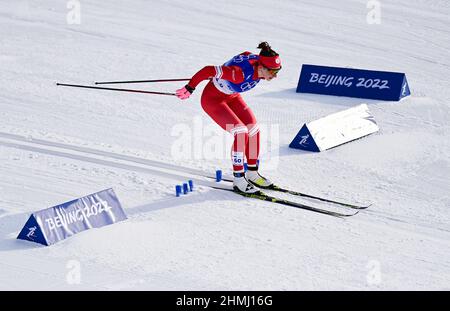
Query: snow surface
[57, 144]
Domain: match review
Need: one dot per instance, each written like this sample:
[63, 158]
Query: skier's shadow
[185, 201]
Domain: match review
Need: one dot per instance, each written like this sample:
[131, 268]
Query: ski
[301, 194]
[264, 197]
[353, 206]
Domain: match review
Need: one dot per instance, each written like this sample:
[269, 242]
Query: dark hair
[266, 50]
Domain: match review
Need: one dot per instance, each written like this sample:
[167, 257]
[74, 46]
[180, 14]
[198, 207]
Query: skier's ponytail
[268, 57]
[266, 50]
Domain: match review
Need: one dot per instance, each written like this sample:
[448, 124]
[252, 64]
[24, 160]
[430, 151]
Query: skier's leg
[245, 114]
[215, 105]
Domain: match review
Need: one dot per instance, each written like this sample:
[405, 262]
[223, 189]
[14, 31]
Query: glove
[185, 92]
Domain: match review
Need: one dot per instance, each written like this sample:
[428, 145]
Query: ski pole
[114, 89]
[142, 81]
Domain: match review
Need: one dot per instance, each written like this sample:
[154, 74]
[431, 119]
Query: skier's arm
[230, 73]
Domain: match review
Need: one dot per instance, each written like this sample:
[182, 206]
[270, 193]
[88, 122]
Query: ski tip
[363, 207]
[348, 215]
[342, 215]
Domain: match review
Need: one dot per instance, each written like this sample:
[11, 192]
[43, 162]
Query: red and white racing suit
[229, 110]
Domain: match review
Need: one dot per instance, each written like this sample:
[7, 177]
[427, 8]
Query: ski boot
[241, 184]
[259, 181]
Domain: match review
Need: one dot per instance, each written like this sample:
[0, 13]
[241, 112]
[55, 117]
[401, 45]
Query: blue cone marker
[218, 175]
[178, 190]
[185, 188]
[191, 185]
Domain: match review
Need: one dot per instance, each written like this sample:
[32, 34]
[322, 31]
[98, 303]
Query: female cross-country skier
[222, 101]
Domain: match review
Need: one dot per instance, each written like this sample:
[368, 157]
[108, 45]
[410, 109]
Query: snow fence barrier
[335, 129]
[59, 222]
[383, 85]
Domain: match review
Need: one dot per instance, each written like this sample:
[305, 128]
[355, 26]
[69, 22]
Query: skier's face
[268, 74]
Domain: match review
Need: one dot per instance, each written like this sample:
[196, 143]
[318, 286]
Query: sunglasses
[273, 71]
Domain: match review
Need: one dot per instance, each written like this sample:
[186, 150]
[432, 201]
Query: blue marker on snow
[185, 188]
[218, 175]
[191, 185]
[178, 190]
